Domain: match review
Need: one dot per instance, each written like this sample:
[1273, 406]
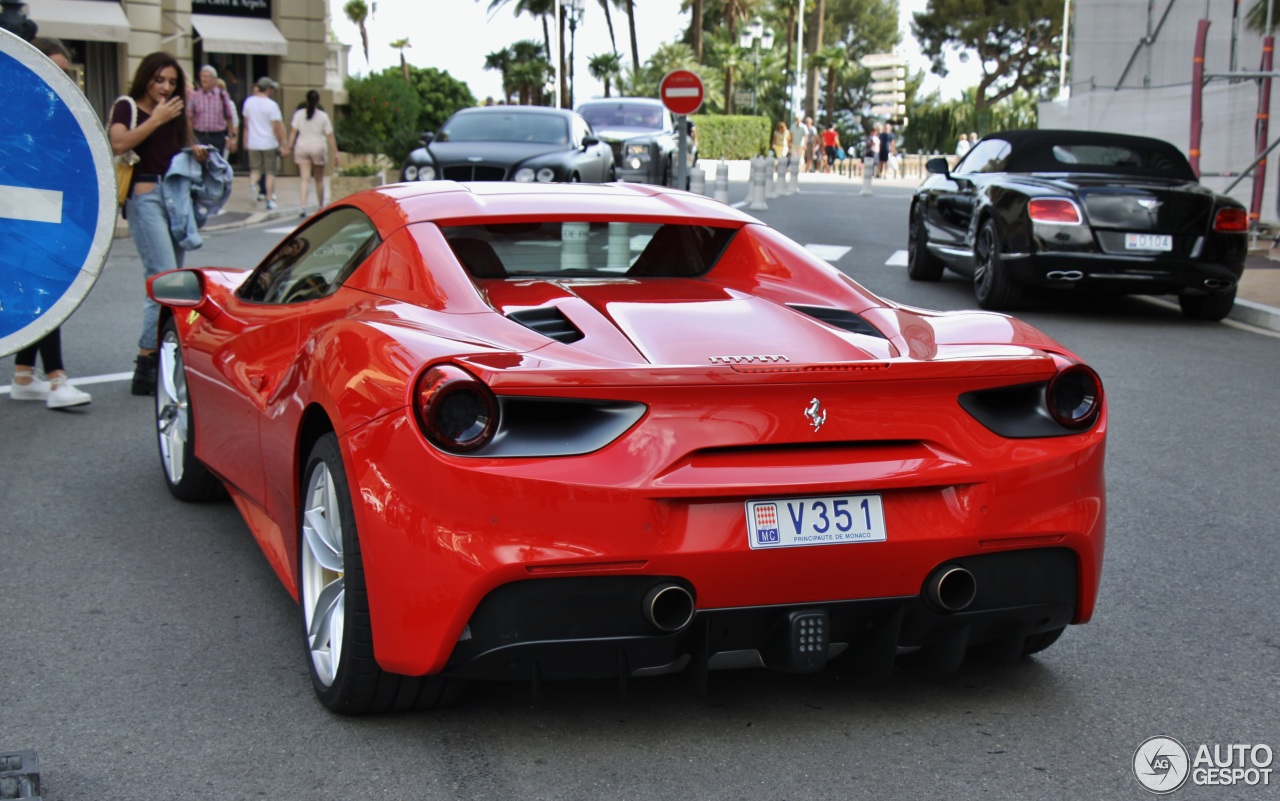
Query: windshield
[622, 115]
[547, 129]
[571, 248]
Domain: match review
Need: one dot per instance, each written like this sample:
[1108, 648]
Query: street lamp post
[753, 38]
[575, 10]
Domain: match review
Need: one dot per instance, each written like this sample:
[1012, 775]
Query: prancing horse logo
[816, 414]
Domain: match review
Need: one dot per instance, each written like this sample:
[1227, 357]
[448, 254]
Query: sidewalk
[1257, 300]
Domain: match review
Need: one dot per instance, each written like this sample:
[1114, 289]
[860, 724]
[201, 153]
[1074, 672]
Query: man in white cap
[264, 135]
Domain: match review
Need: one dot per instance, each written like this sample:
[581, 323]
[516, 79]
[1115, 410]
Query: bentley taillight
[1054, 210]
[1074, 396]
[456, 411]
[1231, 221]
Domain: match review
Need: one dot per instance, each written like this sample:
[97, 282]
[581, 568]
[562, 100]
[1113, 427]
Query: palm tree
[501, 61]
[635, 47]
[608, 19]
[541, 9]
[401, 44]
[529, 71]
[358, 11]
[835, 60]
[605, 67]
[814, 45]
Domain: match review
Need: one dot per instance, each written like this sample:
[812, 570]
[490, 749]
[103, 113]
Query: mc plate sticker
[815, 521]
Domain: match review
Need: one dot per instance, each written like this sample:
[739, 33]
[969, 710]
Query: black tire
[184, 475]
[331, 583]
[921, 264]
[1038, 642]
[991, 284]
[1212, 308]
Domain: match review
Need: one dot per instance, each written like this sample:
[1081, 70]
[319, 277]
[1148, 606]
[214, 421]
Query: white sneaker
[271, 205]
[37, 390]
[63, 395]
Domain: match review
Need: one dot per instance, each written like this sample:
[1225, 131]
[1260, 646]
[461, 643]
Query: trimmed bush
[736, 137]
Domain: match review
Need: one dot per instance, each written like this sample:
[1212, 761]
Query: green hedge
[737, 137]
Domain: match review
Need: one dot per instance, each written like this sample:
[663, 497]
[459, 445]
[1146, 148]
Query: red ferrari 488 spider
[499, 431]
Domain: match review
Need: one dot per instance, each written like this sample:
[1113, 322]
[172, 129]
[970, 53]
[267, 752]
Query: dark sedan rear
[512, 143]
[1084, 210]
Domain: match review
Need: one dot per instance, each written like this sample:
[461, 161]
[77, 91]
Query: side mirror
[589, 140]
[938, 166]
[178, 288]
[427, 137]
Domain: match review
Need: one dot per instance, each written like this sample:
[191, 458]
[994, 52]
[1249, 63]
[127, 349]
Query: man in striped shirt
[213, 114]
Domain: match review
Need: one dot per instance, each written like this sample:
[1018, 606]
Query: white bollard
[721, 190]
[770, 169]
[756, 201]
[868, 169]
[794, 186]
[698, 181]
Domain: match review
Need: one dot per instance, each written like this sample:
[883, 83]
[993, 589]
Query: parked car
[643, 135]
[486, 431]
[512, 143]
[1081, 210]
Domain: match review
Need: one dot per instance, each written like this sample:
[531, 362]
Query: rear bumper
[1122, 274]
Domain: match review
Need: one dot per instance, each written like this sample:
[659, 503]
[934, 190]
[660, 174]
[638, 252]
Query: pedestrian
[811, 154]
[311, 140]
[885, 151]
[213, 113]
[830, 143]
[781, 140]
[264, 136]
[799, 141]
[57, 391]
[962, 146]
[871, 150]
[151, 121]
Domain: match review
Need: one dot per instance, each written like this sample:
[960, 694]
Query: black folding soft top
[1093, 152]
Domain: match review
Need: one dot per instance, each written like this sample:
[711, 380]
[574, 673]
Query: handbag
[125, 161]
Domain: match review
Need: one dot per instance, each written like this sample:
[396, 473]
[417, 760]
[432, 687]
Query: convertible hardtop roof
[1030, 148]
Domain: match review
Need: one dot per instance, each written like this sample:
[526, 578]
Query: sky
[456, 35]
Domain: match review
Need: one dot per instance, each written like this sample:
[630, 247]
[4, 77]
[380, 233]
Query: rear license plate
[1162, 242]
[791, 522]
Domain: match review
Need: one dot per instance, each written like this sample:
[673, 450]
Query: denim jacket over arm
[193, 192]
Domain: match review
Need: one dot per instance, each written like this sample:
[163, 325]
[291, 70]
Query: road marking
[829, 253]
[898, 259]
[30, 205]
[89, 379]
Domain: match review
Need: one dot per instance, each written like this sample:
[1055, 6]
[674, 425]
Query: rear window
[1154, 159]
[575, 248]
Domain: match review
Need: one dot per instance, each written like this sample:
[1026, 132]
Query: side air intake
[548, 321]
[840, 318]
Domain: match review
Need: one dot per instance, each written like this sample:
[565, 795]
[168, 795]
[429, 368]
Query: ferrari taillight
[1054, 210]
[456, 411]
[1231, 221]
[1074, 396]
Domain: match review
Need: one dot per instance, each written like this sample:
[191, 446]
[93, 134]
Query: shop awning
[88, 20]
[240, 35]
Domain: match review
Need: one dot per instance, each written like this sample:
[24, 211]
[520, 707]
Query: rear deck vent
[840, 318]
[548, 321]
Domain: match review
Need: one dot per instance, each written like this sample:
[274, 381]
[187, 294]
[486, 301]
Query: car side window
[989, 155]
[315, 260]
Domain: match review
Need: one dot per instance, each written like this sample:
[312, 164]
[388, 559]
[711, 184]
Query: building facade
[244, 40]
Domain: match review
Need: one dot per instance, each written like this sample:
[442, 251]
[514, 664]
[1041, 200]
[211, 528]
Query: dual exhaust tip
[951, 588]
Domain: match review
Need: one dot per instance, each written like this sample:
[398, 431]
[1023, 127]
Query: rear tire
[991, 283]
[336, 626]
[1212, 308]
[921, 264]
[186, 477]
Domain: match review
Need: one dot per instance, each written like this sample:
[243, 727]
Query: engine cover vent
[840, 318]
[548, 321]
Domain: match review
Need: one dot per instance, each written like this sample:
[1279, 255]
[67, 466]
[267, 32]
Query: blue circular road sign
[57, 195]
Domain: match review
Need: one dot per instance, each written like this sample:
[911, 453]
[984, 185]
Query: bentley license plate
[787, 523]
[1162, 242]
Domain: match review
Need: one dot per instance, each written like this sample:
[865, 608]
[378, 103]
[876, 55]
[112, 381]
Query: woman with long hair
[161, 131]
[311, 139]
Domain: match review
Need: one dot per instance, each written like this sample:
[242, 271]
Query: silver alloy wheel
[323, 588]
[173, 408]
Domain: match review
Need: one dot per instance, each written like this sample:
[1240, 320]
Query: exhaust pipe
[1064, 275]
[951, 588]
[668, 607]
[1217, 283]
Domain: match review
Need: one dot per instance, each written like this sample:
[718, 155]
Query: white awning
[240, 35]
[89, 20]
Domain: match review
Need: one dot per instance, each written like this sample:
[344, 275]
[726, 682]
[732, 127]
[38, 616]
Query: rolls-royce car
[1079, 210]
[643, 135]
[526, 432]
[525, 144]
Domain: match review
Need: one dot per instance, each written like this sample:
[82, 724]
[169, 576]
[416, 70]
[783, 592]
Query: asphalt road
[148, 652]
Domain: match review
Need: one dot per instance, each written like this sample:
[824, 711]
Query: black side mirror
[589, 140]
[427, 137]
[938, 166]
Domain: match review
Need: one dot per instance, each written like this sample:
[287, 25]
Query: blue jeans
[159, 252]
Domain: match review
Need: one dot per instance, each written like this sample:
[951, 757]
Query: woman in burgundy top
[161, 132]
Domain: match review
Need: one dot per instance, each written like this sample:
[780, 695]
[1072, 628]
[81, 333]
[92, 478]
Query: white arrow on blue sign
[57, 195]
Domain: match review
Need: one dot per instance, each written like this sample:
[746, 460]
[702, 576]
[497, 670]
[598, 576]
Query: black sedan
[512, 143]
[1085, 210]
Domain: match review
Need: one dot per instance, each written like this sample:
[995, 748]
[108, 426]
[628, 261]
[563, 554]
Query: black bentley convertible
[1099, 212]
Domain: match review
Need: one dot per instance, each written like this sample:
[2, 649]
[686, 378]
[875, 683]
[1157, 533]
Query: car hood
[491, 152]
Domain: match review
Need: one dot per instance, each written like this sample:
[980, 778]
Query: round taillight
[456, 411]
[1054, 210]
[1231, 221]
[1074, 396]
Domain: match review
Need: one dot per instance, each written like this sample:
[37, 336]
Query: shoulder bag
[125, 161]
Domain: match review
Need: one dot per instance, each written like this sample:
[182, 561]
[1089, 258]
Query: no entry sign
[681, 91]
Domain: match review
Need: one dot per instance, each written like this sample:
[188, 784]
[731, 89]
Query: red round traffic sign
[681, 91]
